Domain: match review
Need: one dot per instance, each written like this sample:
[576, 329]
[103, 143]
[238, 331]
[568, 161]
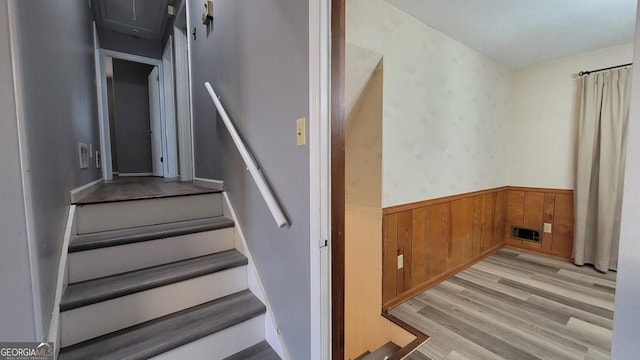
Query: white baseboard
[272, 334]
[134, 174]
[80, 192]
[61, 285]
[210, 183]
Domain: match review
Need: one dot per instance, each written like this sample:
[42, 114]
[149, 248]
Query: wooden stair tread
[97, 290]
[168, 332]
[259, 351]
[145, 233]
[139, 188]
[383, 352]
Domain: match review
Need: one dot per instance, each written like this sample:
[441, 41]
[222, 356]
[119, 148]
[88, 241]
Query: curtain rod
[587, 72]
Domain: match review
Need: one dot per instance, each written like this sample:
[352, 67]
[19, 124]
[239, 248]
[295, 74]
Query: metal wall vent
[525, 234]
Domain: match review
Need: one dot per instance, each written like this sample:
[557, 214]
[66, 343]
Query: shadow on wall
[365, 328]
[363, 153]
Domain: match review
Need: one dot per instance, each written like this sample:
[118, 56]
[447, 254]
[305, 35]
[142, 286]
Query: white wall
[445, 107]
[626, 318]
[542, 128]
[16, 297]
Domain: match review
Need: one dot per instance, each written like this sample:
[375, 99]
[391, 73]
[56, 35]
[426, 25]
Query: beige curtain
[602, 126]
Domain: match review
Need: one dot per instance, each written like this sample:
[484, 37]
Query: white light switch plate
[400, 261]
[547, 227]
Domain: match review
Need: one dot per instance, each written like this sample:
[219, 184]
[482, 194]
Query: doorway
[138, 133]
[134, 118]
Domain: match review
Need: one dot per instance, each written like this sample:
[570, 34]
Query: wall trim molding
[537, 189]
[63, 280]
[79, 192]
[209, 183]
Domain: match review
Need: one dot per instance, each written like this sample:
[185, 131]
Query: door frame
[183, 94]
[168, 92]
[319, 175]
[154, 94]
[337, 135]
[103, 118]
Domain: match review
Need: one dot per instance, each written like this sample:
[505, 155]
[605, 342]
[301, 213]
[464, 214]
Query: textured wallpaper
[445, 107]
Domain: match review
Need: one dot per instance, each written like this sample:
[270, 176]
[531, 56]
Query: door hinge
[157, 77]
[161, 159]
[323, 243]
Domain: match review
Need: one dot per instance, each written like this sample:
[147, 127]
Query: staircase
[383, 353]
[159, 278]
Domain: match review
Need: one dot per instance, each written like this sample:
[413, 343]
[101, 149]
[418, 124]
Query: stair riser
[221, 344]
[126, 214]
[94, 320]
[92, 264]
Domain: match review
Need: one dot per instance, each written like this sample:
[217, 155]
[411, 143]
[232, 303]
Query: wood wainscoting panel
[438, 238]
[404, 249]
[562, 231]
[532, 208]
[389, 257]
[420, 245]
[515, 215]
[547, 217]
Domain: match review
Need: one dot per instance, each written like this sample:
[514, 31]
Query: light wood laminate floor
[515, 305]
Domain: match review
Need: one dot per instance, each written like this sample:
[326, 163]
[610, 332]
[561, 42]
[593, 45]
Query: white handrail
[256, 174]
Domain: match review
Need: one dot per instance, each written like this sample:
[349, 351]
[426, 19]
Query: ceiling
[139, 18]
[518, 33]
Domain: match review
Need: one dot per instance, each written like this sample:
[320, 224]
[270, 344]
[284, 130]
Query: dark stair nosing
[259, 351]
[383, 352]
[106, 288]
[168, 332]
[86, 200]
[104, 239]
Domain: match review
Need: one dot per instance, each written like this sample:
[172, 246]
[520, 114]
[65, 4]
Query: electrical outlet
[400, 261]
[547, 227]
[301, 132]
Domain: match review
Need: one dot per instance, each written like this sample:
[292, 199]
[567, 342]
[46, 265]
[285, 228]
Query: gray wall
[60, 111]
[131, 116]
[16, 295]
[129, 44]
[256, 56]
[626, 324]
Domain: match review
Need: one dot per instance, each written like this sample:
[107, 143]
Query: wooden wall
[531, 208]
[438, 238]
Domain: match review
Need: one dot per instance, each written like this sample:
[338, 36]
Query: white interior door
[155, 128]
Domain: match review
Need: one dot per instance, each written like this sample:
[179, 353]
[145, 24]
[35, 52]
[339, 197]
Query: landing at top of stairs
[136, 188]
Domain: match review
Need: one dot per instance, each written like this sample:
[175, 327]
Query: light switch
[547, 227]
[400, 261]
[301, 132]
